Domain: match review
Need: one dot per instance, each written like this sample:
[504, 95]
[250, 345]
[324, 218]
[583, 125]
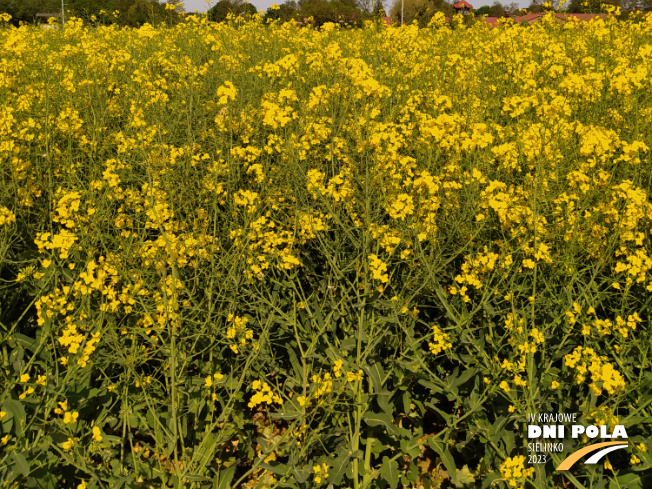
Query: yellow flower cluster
[440, 341]
[603, 374]
[208, 382]
[263, 394]
[61, 241]
[72, 339]
[323, 384]
[69, 444]
[227, 92]
[355, 376]
[238, 332]
[378, 269]
[96, 434]
[603, 415]
[6, 217]
[321, 472]
[473, 270]
[513, 471]
[69, 417]
[401, 207]
[67, 208]
[607, 327]
[168, 175]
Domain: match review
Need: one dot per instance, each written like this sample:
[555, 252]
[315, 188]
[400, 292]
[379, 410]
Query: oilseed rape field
[264, 255]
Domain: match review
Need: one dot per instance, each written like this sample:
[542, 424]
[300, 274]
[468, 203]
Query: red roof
[528, 17]
[462, 3]
[531, 18]
[584, 17]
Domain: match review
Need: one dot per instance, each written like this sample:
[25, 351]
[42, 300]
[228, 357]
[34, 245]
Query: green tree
[497, 10]
[283, 13]
[323, 11]
[249, 9]
[26, 10]
[590, 6]
[220, 11]
[288, 10]
[379, 9]
[420, 10]
[132, 12]
[536, 7]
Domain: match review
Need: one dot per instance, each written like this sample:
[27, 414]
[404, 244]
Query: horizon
[203, 5]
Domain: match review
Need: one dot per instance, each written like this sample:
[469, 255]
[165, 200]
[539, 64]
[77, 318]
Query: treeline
[422, 11]
[125, 12]
[586, 6]
[317, 12]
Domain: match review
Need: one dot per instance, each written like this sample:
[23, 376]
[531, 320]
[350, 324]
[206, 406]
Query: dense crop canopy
[288, 257]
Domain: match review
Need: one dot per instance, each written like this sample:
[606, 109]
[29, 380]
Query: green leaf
[340, 464]
[224, 477]
[510, 441]
[446, 457]
[122, 481]
[377, 447]
[487, 307]
[17, 411]
[389, 472]
[276, 468]
[463, 477]
[435, 389]
[380, 419]
[376, 374]
[409, 447]
[446, 417]
[412, 473]
[6, 423]
[301, 475]
[646, 462]
[496, 431]
[468, 373]
[629, 480]
[488, 481]
[406, 402]
[20, 463]
[287, 415]
[296, 366]
[197, 478]
[25, 341]
[383, 402]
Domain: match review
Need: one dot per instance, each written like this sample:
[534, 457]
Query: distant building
[463, 7]
[533, 18]
[47, 16]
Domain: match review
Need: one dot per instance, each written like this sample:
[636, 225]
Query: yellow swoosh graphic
[574, 457]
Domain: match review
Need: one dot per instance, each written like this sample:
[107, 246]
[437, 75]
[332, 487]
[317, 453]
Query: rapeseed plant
[268, 255]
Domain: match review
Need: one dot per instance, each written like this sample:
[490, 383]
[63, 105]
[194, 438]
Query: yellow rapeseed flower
[97, 434]
[70, 417]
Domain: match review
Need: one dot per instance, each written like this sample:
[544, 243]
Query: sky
[203, 6]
